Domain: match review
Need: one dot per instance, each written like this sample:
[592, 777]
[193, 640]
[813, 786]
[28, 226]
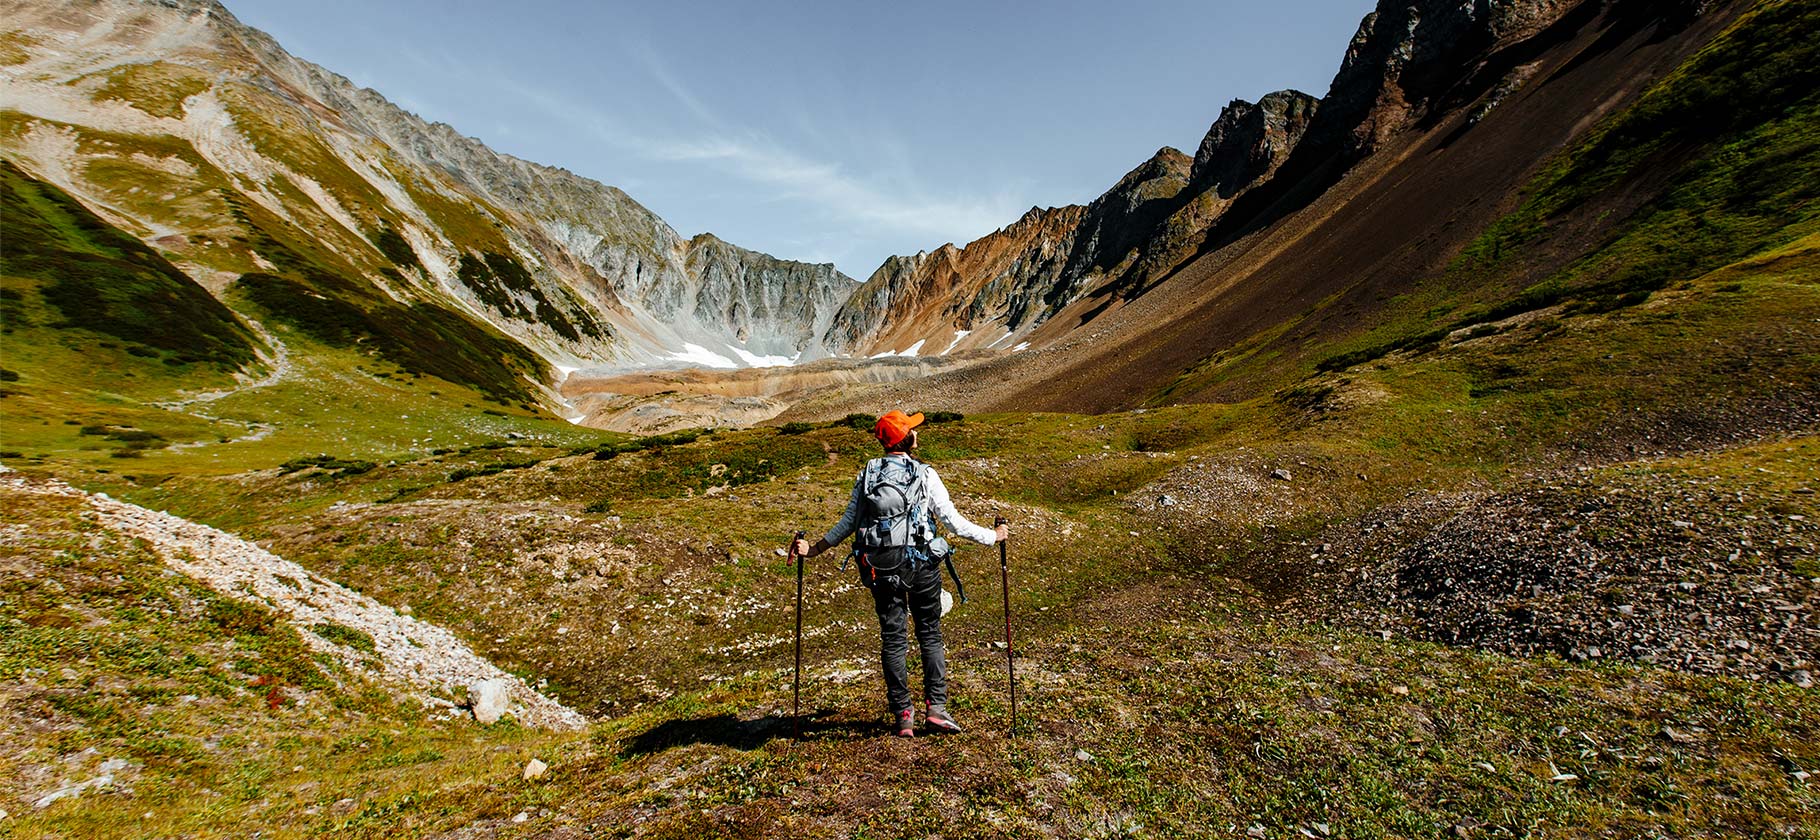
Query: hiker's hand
[1002, 532]
[802, 548]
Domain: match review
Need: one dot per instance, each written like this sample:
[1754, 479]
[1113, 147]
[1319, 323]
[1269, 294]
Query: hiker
[891, 514]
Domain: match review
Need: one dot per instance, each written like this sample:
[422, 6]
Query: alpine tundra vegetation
[1433, 457]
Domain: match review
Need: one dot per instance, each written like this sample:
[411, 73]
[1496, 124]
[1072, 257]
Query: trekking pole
[796, 685]
[1004, 578]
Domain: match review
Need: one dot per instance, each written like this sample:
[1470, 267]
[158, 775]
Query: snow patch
[1020, 346]
[907, 352]
[754, 360]
[958, 335]
[696, 354]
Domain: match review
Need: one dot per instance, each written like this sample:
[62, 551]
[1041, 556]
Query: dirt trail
[280, 362]
[427, 658]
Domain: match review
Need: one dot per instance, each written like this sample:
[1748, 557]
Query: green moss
[499, 281]
[393, 246]
[158, 88]
[359, 640]
[101, 280]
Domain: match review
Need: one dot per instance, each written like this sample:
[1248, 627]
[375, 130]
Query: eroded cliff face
[205, 137]
[774, 307]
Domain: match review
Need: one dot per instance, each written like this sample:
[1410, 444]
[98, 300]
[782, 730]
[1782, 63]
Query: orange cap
[895, 425]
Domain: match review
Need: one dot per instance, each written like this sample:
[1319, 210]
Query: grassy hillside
[184, 712]
[1718, 161]
[113, 360]
[66, 268]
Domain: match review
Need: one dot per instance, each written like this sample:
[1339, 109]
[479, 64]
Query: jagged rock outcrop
[176, 122]
[930, 297]
[1014, 278]
[1250, 140]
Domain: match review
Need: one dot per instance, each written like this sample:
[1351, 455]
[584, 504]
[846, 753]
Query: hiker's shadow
[728, 731]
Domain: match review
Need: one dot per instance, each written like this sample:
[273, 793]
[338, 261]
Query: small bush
[346, 636]
[795, 428]
[466, 473]
[330, 465]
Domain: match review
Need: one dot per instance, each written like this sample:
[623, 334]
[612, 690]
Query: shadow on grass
[728, 731]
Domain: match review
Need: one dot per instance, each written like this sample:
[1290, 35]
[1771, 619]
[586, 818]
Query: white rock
[1280, 474]
[521, 816]
[1083, 755]
[535, 770]
[489, 698]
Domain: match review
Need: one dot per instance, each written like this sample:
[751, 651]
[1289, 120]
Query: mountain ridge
[352, 167]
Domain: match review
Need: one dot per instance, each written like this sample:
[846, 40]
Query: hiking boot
[906, 724]
[940, 721]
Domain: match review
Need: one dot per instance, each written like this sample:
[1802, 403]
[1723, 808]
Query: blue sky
[836, 132]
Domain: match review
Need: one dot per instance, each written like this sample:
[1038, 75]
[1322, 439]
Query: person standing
[891, 513]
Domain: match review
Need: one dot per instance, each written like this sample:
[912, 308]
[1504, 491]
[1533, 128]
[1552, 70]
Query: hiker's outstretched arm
[960, 525]
[842, 529]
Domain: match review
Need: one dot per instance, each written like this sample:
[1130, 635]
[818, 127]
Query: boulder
[489, 699]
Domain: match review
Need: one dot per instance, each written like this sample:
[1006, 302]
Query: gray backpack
[896, 515]
[897, 533]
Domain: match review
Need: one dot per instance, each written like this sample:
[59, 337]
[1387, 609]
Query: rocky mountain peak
[1406, 53]
[1249, 140]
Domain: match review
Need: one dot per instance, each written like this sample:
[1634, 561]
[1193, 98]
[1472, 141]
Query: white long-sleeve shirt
[938, 500]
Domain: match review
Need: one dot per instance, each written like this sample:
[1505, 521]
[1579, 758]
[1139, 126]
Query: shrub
[330, 465]
[346, 636]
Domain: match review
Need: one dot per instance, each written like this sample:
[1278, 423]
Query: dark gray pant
[923, 601]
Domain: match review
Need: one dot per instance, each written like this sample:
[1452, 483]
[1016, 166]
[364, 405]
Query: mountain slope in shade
[1385, 225]
[1011, 281]
[232, 157]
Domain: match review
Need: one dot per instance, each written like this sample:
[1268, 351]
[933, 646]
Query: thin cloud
[661, 72]
[844, 195]
[840, 195]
